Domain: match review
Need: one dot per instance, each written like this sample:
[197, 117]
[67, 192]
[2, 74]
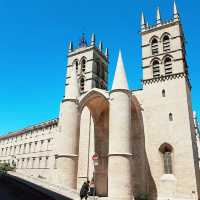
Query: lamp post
[95, 159]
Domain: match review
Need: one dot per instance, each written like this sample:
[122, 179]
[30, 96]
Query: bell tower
[91, 65]
[167, 109]
[163, 49]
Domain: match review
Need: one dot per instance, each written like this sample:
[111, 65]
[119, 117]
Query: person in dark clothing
[84, 190]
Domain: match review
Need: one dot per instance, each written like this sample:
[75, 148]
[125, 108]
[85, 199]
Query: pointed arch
[97, 95]
[75, 63]
[154, 45]
[165, 38]
[83, 62]
[167, 60]
[155, 67]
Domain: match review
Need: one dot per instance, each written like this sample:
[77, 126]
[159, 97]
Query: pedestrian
[92, 188]
[84, 190]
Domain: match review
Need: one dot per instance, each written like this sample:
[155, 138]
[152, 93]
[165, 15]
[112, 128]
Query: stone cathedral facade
[147, 140]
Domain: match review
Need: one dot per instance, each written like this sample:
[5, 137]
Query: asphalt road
[10, 190]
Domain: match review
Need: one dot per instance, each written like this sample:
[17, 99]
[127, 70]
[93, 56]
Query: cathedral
[134, 144]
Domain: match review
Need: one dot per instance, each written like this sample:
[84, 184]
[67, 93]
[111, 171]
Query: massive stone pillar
[120, 153]
[120, 156]
[66, 146]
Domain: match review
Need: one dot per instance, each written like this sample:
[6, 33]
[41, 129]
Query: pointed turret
[143, 23]
[73, 89]
[158, 16]
[93, 39]
[101, 46]
[107, 53]
[175, 11]
[120, 81]
[70, 47]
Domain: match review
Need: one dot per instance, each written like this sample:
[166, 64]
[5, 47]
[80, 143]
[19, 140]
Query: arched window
[168, 66]
[166, 43]
[76, 65]
[166, 150]
[154, 46]
[103, 71]
[82, 85]
[156, 68]
[163, 93]
[83, 65]
[98, 68]
[171, 117]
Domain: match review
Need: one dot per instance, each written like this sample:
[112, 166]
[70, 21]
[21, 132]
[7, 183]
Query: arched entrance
[94, 138]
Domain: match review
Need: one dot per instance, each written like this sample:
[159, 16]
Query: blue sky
[33, 41]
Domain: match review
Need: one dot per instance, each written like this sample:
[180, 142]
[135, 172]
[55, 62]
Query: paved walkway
[10, 190]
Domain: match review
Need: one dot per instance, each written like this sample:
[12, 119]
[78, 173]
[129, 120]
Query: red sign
[95, 157]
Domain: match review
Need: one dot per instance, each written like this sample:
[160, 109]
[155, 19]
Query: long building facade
[147, 141]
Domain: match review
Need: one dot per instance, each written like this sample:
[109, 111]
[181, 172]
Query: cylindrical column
[120, 153]
[67, 144]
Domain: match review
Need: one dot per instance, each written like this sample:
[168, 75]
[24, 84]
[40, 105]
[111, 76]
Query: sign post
[95, 159]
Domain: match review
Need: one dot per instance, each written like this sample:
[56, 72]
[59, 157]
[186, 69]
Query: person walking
[92, 191]
[84, 190]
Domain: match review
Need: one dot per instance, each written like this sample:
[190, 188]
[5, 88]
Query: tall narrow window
[166, 150]
[76, 65]
[168, 66]
[166, 43]
[163, 93]
[98, 68]
[82, 85]
[154, 46]
[170, 117]
[156, 68]
[83, 65]
[167, 162]
[47, 162]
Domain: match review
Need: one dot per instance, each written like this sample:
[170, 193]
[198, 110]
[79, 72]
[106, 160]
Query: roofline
[30, 128]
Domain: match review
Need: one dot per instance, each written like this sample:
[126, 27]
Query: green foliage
[4, 167]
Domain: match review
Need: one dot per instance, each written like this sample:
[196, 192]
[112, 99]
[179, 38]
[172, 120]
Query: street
[11, 190]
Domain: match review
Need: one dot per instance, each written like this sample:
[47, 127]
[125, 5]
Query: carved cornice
[166, 78]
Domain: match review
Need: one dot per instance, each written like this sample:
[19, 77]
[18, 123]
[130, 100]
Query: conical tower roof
[120, 81]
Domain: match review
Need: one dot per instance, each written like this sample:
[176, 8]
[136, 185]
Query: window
[166, 150]
[98, 68]
[170, 117]
[82, 85]
[48, 144]
[83, 65]
[76, 65]
[156, 68]
[166, 43]
[168, 66]
[163, 93]
[47, 162]
[154, 46]
[33, 163]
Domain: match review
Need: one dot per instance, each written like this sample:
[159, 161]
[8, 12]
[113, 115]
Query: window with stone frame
[83, 65]
[166, 150]
[168, 66]
[154, 46]
[47, 162]
[82, 85]
[156, 68]
[166, 43]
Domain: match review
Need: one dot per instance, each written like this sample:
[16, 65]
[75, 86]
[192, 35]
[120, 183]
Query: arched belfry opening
[94, 138]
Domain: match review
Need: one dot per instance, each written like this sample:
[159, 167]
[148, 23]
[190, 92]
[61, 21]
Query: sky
[33, 49]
